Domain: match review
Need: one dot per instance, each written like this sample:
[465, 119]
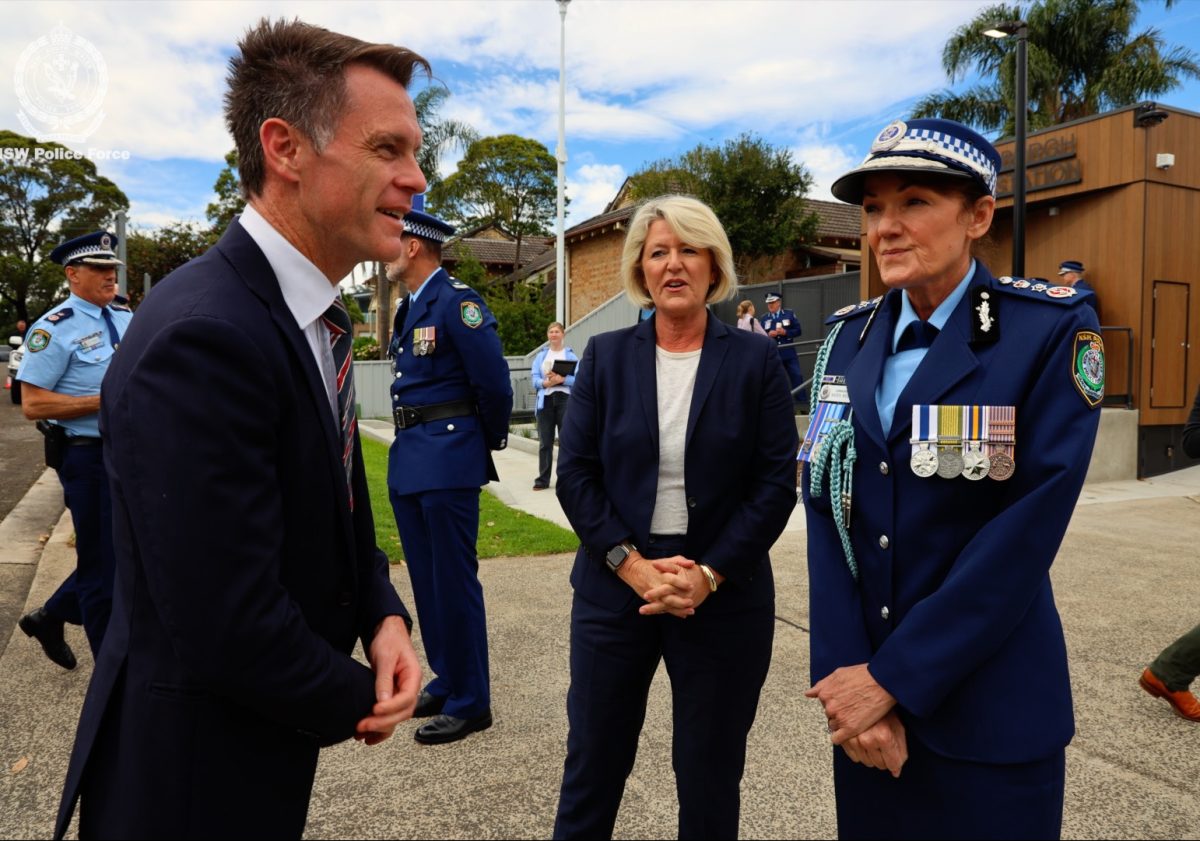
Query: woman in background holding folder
[553, 375]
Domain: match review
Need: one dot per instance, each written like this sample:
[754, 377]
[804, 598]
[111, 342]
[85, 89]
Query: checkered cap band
[958, 153]
[419, 229]
[92, 254]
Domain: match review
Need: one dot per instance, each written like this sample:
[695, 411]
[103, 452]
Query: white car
[14, 362]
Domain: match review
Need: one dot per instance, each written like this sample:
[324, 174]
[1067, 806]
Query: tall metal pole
[1022, 106]
[560, 286]
[123, 256]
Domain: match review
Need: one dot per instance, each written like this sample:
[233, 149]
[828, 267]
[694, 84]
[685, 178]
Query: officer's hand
[397, 681]
[883, 745]
[853, 701]
[682, 582]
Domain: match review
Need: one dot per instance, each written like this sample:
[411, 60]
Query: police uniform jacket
[243, 577]
[953, 611]
[68, 351]
[448, 350]
[786, 319]
[739, 461]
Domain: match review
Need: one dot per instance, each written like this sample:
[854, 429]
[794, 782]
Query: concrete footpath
[1126, 584]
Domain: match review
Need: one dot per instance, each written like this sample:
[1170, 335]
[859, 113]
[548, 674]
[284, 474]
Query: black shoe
[428, 705]
[538, 486]
[48, 631]
[447, 728]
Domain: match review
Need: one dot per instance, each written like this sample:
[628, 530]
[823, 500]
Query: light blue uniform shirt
[898, 368]
[67, 350]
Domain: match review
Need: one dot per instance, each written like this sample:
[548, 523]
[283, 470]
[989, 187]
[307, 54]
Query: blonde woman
[746, 319]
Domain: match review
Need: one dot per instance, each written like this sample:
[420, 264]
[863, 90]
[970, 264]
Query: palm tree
[1082, 61]
[439, 135]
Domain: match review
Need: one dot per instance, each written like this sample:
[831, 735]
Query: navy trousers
[936, 797]
[717, 663]
[85, 597]
[438, 530]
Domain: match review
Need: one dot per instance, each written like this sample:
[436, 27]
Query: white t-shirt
[548, 364]
[676, 374]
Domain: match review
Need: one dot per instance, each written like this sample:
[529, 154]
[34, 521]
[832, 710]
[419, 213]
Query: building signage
[1048, 163]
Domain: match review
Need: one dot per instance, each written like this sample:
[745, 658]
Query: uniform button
[344, 598]
[883, 541]
[449, 427]
[691, 501]
[503, 443]
[397, 375]
[883, 613]
[399, 351]
[883, 468]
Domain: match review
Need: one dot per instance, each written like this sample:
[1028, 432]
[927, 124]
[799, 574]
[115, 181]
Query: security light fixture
[1148, 114]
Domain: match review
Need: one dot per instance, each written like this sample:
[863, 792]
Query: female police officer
[955, 421]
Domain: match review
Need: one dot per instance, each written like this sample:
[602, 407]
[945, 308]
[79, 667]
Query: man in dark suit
[451, 401]
[246, 560]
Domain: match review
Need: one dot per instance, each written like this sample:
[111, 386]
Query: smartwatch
[617, 555]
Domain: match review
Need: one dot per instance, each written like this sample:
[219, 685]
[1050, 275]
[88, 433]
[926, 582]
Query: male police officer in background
[783, 326]
[1071, 272]
[451, 401]
[66, 354]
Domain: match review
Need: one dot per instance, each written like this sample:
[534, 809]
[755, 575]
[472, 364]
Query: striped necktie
[337, 321]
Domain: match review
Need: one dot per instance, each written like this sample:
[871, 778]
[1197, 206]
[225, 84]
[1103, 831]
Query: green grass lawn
[503, 531]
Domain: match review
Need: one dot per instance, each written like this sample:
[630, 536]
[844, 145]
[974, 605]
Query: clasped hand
[397, 681]
[672, 585]
[861, 718]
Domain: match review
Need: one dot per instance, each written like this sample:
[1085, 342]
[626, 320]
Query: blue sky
[646, 79]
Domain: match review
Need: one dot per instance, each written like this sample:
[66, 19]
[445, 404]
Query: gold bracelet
[708, 575]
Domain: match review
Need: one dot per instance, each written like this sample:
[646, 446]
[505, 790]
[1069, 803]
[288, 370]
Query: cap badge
[106, 242]
[890, 136]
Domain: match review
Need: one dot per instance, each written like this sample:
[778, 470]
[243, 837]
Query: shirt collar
[306, 290]
[940, 315]
[413, 296]
[84, 306]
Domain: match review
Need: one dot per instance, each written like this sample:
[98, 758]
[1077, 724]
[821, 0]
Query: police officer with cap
[783, 326]
[1071, 272]
[67, 352]
[451, 401]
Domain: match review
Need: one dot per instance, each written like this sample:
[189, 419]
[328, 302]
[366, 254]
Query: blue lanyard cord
[836, 454]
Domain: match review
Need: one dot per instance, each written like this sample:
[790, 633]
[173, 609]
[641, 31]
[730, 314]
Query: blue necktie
[341, 341]
[113, 335]
[918, 334]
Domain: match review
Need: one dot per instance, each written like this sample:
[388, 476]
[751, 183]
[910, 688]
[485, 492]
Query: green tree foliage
[353, 309]
[756, 190]
[43, 201]
[438, 136]
[229, 201]
[1082, 59]
[160, 251]
[508, 179]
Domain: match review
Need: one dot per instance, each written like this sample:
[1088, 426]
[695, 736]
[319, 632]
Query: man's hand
[397, 681]
[853, 701]
[883, 745]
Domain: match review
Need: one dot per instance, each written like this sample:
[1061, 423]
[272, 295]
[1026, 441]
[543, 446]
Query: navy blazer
[739, 467]
[243, 579]
[953, 610]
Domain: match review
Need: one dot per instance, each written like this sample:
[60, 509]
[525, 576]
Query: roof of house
[487, 250]
[836, 219]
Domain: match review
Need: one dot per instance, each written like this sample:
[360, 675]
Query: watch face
[616, 556]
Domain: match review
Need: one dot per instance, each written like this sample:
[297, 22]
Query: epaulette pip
[60, 315]
[1040, 289]
[848, 312]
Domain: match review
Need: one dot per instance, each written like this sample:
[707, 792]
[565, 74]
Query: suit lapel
[711, 358]
[253, 268]
[866, 368]
[645, 366]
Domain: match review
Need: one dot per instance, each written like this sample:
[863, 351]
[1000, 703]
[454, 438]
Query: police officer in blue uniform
[451, 402]
[1071, 272]
[783, 326]
[952, 429]
[67, 352]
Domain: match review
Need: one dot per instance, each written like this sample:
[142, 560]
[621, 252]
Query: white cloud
[591, 188]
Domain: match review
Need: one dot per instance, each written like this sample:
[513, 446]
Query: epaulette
[119, 307]
[60, 315]
[1040, 289]
[457, 284]
[847, 312]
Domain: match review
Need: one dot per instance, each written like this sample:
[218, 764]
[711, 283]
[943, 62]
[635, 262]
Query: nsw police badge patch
[1087, 366]
[38, 340]
[472, 315]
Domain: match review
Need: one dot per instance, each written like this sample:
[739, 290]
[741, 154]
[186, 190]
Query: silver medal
[976, 464]
[950, 464]
[924, 462]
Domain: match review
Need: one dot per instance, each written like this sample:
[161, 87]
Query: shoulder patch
[1039, 289]
[60, 315]
[472, 315]
[853, 310]
[1087, 366]
[39, 339]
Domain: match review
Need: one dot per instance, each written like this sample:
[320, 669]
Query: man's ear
[281, 144]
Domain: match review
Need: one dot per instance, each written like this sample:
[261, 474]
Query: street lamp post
[560, 284]
[1021, 106]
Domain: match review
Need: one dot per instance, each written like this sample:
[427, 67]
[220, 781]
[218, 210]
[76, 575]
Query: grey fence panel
[372, 389]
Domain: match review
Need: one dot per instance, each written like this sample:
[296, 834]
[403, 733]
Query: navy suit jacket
[243, 578]
[739, 466]
[954, 612]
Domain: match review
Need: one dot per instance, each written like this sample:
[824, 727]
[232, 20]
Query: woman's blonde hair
[744, 307]
[693, 222]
